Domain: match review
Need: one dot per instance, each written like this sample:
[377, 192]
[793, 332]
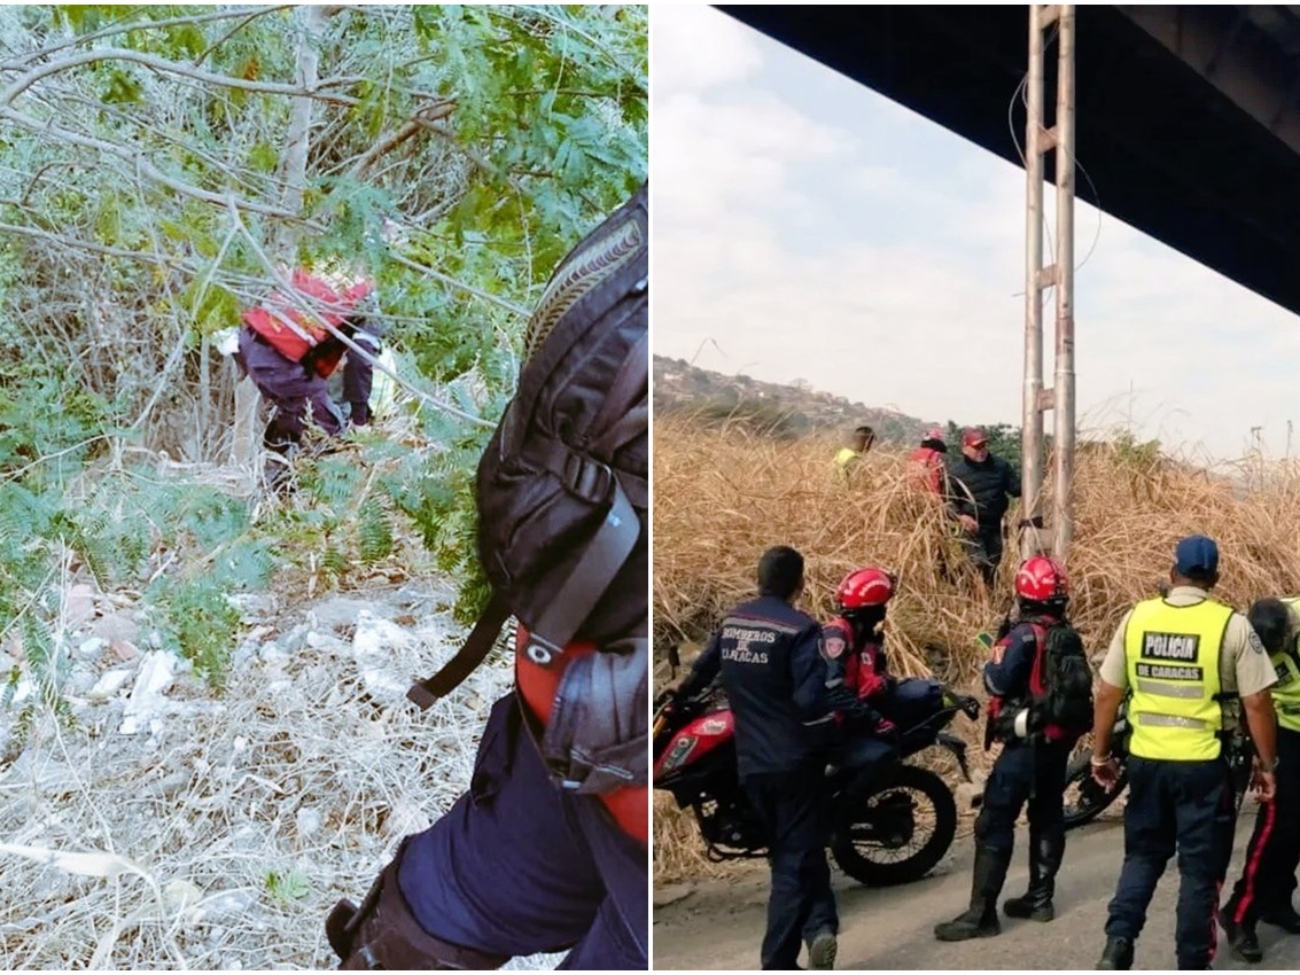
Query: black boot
[1117, 955]
[1045, 854]
[981, 919]
[1242, 940]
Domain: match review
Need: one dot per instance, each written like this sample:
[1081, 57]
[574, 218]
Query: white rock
[92, 648]
[229, 902]
[146, 704]
[382, 652]
[78, 604]
[110, 683]
[117, 628]
[180, 895]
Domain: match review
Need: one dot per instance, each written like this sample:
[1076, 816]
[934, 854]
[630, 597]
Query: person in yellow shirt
[1268, 876]
[1183, 657]
[859, 445]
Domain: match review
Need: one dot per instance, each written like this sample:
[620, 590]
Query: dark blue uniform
[1175, 807]
[768, 657]
[517, 866]
[1029, 770]
[300, 396]
[1024, 773]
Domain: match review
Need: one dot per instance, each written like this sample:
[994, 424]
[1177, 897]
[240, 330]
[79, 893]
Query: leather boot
[1243, 942]
[981, 919]
[1117, 955]
[1045, 854]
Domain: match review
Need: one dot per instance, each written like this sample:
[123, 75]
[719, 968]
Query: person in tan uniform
[1182, 657]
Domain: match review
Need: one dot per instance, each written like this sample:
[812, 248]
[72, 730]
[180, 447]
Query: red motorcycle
[894, 832]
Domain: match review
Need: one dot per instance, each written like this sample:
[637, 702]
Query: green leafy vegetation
[150, 183]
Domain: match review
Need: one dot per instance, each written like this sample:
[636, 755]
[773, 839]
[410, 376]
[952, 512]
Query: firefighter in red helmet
[926, 463]
[1040, 687]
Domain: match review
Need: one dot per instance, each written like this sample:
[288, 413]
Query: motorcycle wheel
[1085, 800]
[875, 864]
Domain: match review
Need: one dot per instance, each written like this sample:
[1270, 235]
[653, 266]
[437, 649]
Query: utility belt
[1011, 720]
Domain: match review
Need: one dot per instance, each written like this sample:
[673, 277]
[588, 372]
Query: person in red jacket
[926, 464]
[853, 644]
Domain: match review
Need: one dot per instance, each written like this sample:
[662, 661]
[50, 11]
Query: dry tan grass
[239, 821]
[724, 496]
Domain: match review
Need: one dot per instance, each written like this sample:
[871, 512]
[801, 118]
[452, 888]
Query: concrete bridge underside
[1188, 117]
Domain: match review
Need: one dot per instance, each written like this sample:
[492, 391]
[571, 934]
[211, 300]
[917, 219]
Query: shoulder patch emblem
[834, 647]
[1253, 639]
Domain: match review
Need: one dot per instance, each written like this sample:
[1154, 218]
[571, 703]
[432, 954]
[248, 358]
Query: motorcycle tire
[1094, 800]
[873, 873]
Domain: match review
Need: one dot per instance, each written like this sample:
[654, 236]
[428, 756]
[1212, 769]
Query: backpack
[1061, 682]
[562, 493]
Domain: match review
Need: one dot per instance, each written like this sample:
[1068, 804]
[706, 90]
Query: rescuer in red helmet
[1040, 687]
[926, 463]
[285, 348]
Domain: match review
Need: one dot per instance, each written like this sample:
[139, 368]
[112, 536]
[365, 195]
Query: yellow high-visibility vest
[1172, 656]
[845, 457]
[1286, 692]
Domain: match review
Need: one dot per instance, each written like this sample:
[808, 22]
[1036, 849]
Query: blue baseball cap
[1196, 557]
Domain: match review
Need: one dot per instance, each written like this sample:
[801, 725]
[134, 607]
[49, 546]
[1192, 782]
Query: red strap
[1036, 686]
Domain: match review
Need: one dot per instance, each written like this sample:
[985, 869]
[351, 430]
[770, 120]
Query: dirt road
[719, 925]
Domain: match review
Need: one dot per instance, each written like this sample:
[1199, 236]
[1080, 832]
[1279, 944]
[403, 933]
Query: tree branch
[428, 114]
[142, 25]
[460, 285]
[185, 71]
[144, 167]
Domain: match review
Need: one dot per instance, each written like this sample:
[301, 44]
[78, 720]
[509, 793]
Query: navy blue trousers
[518, 867]
[1184, 808]
[297, 397]
[793, 810]
[866, 756]
[1023, 775]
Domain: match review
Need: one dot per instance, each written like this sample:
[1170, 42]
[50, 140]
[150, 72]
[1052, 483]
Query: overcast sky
[805, 227]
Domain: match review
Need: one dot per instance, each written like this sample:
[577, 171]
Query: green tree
[157, 162]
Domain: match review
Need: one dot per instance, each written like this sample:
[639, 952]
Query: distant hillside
[784, 410]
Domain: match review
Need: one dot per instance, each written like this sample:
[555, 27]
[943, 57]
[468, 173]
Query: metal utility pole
[1040, 140]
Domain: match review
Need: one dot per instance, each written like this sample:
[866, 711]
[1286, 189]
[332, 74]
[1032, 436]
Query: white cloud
[817, 231]
[697, 47]
[712, 156]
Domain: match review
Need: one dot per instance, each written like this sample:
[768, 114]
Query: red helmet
[1042, 579]
[863, 588]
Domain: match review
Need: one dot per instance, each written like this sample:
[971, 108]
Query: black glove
[360, 414]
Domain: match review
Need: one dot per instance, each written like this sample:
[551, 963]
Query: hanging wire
[1022, 93]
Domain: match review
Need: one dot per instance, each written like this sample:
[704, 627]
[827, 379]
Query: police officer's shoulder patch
[834, 647]
[1253, 639]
